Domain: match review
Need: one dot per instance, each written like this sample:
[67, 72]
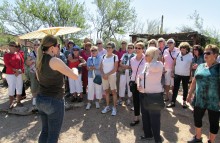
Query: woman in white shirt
[108, 70]
[149, 82]
[181, 72]
[125, 75]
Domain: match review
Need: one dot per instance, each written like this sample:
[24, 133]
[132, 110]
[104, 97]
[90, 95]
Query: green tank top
[51, 81]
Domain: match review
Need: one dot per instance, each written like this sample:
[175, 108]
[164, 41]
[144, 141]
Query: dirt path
[93, 127]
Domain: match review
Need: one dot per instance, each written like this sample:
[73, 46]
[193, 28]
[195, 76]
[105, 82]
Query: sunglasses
[75, 49]
[170, 43]
[36, 45]
[207, 53]
[130, 48]
[195, 49]
[108, 47]
[138, 48]
[99, 43]
[93, 50]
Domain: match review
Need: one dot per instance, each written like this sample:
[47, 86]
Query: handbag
[98, 79]
[152, 101]
[132, 84]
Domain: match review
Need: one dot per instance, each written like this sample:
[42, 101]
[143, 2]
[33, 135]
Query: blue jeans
[51, 111]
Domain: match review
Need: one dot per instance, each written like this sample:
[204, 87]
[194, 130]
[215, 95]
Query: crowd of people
[136, 75]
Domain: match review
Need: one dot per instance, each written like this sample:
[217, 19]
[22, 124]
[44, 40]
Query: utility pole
[161, 27]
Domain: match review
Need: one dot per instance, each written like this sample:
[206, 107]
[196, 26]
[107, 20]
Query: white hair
[153, 52]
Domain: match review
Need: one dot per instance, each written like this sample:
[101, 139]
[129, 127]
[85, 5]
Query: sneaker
[97, 105]
[106, 109]
[88, 106]
[114, 111]
[119, 102]
[132, 108]
[172, 104]
[128, 102]
[195, 140]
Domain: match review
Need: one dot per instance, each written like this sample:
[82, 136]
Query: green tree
[28, 15]
[16, 22]
[112, 17]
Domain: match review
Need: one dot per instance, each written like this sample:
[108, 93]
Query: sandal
[19, 104]
[184, 105]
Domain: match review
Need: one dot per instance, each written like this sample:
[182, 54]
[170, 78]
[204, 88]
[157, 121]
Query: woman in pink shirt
[14, 66]
[137, 66]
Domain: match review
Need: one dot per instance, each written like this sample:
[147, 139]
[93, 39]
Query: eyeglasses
[99, 43]
[130, 48]
[93, 50]
[108, 47]
[181, 58]
[138, 48]
[207, 53]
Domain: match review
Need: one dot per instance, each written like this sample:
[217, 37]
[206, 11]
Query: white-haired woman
[149, 86]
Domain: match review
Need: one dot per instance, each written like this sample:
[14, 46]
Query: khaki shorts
[111, 82]
[168, 79]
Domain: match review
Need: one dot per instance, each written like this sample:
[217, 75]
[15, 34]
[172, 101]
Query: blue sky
[175, 12]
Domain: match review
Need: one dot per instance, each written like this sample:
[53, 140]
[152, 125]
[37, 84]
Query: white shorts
[168, 79]
[14, 83]
[111, 81]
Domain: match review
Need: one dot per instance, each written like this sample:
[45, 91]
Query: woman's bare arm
[59, 65]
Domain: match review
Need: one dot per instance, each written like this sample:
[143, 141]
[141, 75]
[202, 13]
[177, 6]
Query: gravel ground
[91, 126]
